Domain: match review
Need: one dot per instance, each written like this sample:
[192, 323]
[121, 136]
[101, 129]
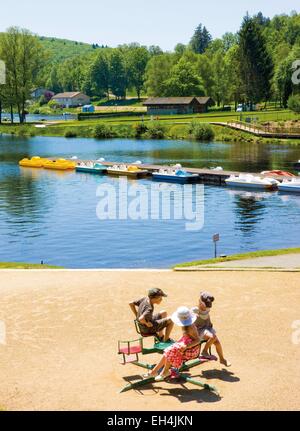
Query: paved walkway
[249, 128]
[286, 261]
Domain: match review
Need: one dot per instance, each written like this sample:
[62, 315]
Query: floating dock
[206, 176]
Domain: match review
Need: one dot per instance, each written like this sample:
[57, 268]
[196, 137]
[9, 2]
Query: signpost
[216, 238]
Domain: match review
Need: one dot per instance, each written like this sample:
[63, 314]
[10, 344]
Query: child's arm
[145, 322]
[193, 333]
[133, 308]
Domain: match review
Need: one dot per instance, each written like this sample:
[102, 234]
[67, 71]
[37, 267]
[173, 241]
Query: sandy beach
[59, 334]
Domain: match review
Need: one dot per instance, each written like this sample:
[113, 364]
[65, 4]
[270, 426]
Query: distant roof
[205, 100]
[176, 100]
[169, 101]
[68, 95]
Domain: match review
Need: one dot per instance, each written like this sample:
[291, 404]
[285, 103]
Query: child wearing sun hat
[186, 348]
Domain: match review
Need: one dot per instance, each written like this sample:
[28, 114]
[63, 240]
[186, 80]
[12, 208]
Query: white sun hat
[183, 317]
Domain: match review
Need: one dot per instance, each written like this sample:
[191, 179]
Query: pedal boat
[60, 165]
[34, 162]
[130, 171]
[175, 176]
[252, 182]
[91, 168]
[292, 186]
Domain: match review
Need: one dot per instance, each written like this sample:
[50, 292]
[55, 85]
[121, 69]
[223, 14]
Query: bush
[140, 129]
[43, 100]
[294, 103]
[155, 130]
[103, 131]
[70, 134]
[201, 131]
[124, 131]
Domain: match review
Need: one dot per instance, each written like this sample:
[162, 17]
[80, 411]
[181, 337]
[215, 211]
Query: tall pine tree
[200, 40]
[256, 66]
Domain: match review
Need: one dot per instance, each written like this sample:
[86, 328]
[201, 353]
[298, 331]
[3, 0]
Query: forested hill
[63, 49]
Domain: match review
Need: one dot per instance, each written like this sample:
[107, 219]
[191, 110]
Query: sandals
[147, 376]
[161, 377]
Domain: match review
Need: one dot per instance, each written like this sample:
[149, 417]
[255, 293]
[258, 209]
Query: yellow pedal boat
[130, 171]
[60, 165]
[34, 162]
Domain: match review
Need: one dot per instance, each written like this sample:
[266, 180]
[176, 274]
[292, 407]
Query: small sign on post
[216, 238]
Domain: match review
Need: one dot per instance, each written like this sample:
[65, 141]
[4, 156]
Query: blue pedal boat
[175, 176]
[93, 168]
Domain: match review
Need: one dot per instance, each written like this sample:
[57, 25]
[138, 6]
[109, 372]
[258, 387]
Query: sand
[62, 329]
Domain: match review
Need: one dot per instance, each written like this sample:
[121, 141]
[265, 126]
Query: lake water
[32, 118]
[51, 216]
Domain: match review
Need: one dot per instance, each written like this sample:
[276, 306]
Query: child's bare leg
[209, 343]
[168, 330]
[158, 367]
[220, 353]
[165, 371]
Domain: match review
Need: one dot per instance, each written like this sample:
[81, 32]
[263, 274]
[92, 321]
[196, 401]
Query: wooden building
[177, 105]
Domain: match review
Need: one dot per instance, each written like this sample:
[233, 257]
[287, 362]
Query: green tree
[232, 75]
[206, 72]
[23, 56]
[52, 82]
[137, 59]
[180, 49]
[98, 75]
[294, 103]
[220, 88]
[155, 50]
[72, 73]
[256, 66]
[229, 40]
[283, 83]
[200, 40]
[184, 80]
[118, 74]
[158, 71]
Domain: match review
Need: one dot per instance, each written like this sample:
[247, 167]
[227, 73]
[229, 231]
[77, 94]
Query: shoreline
[173, 131]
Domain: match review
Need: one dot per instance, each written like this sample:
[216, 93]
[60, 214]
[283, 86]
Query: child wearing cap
[152, 324]
[185, 349]
[205, 327]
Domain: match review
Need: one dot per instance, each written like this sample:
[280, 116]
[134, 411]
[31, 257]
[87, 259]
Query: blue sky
[149, 22]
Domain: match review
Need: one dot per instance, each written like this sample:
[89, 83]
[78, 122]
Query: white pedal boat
[292, 185]
[252, 182]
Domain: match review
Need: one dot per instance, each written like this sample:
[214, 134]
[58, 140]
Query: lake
[51, 216]
[33, 118]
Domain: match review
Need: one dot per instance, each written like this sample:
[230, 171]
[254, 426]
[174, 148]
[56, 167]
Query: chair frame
[159, 347]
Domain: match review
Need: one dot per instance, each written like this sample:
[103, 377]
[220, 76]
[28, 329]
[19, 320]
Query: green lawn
[176, 126]
[242, 256]
[20, 265]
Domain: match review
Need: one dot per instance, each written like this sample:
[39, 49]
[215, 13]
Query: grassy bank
[243, 256]
[173, 126]
[20, 265]
[173, 129]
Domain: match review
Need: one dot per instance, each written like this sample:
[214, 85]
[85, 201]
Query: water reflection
[51, 215]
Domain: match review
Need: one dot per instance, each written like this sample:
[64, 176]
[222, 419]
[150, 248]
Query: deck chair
[144, 335]
[156, 339]
[130, 350]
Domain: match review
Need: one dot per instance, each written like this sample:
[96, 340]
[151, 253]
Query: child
[149, 323]
[188, 347]
[205, 327]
